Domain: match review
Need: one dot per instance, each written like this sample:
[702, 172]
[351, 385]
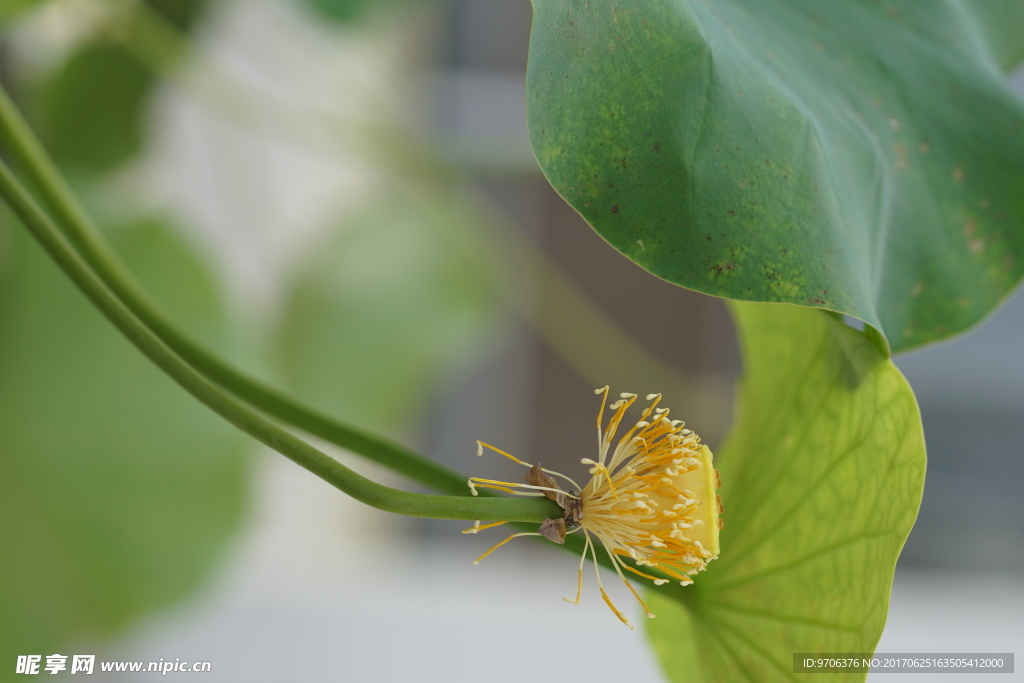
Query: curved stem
[23, 146]
[234, 411]
[27, 151]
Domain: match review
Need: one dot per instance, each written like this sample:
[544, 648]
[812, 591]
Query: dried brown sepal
[553, 530]
[573, 508]
[537, 477]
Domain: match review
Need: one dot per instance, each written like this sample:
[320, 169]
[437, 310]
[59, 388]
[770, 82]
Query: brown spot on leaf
[615, 208]
[901, 155]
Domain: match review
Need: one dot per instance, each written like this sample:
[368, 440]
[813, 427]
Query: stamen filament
[651, 502]
[509, 487]
[498, 545]
[480, 446]
[477, 527]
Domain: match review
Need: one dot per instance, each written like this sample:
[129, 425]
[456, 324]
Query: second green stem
[252, 423]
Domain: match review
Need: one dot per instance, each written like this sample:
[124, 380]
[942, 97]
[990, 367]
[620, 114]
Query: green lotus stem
[25, 149]
[237, 413]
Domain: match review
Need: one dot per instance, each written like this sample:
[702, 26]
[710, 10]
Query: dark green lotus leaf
[865, 157]
[821, 482]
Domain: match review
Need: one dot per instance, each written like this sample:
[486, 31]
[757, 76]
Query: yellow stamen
[480, 446]
[477, 527]
[599, 470]
[651, 500]
[643, 418]
[611, 605]
[474, 486]
[600, 415]
[498, 545]
[621, 406]
[600, 586]
[579, 579]
[636, 571]
[647, 610]
[509, 487]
